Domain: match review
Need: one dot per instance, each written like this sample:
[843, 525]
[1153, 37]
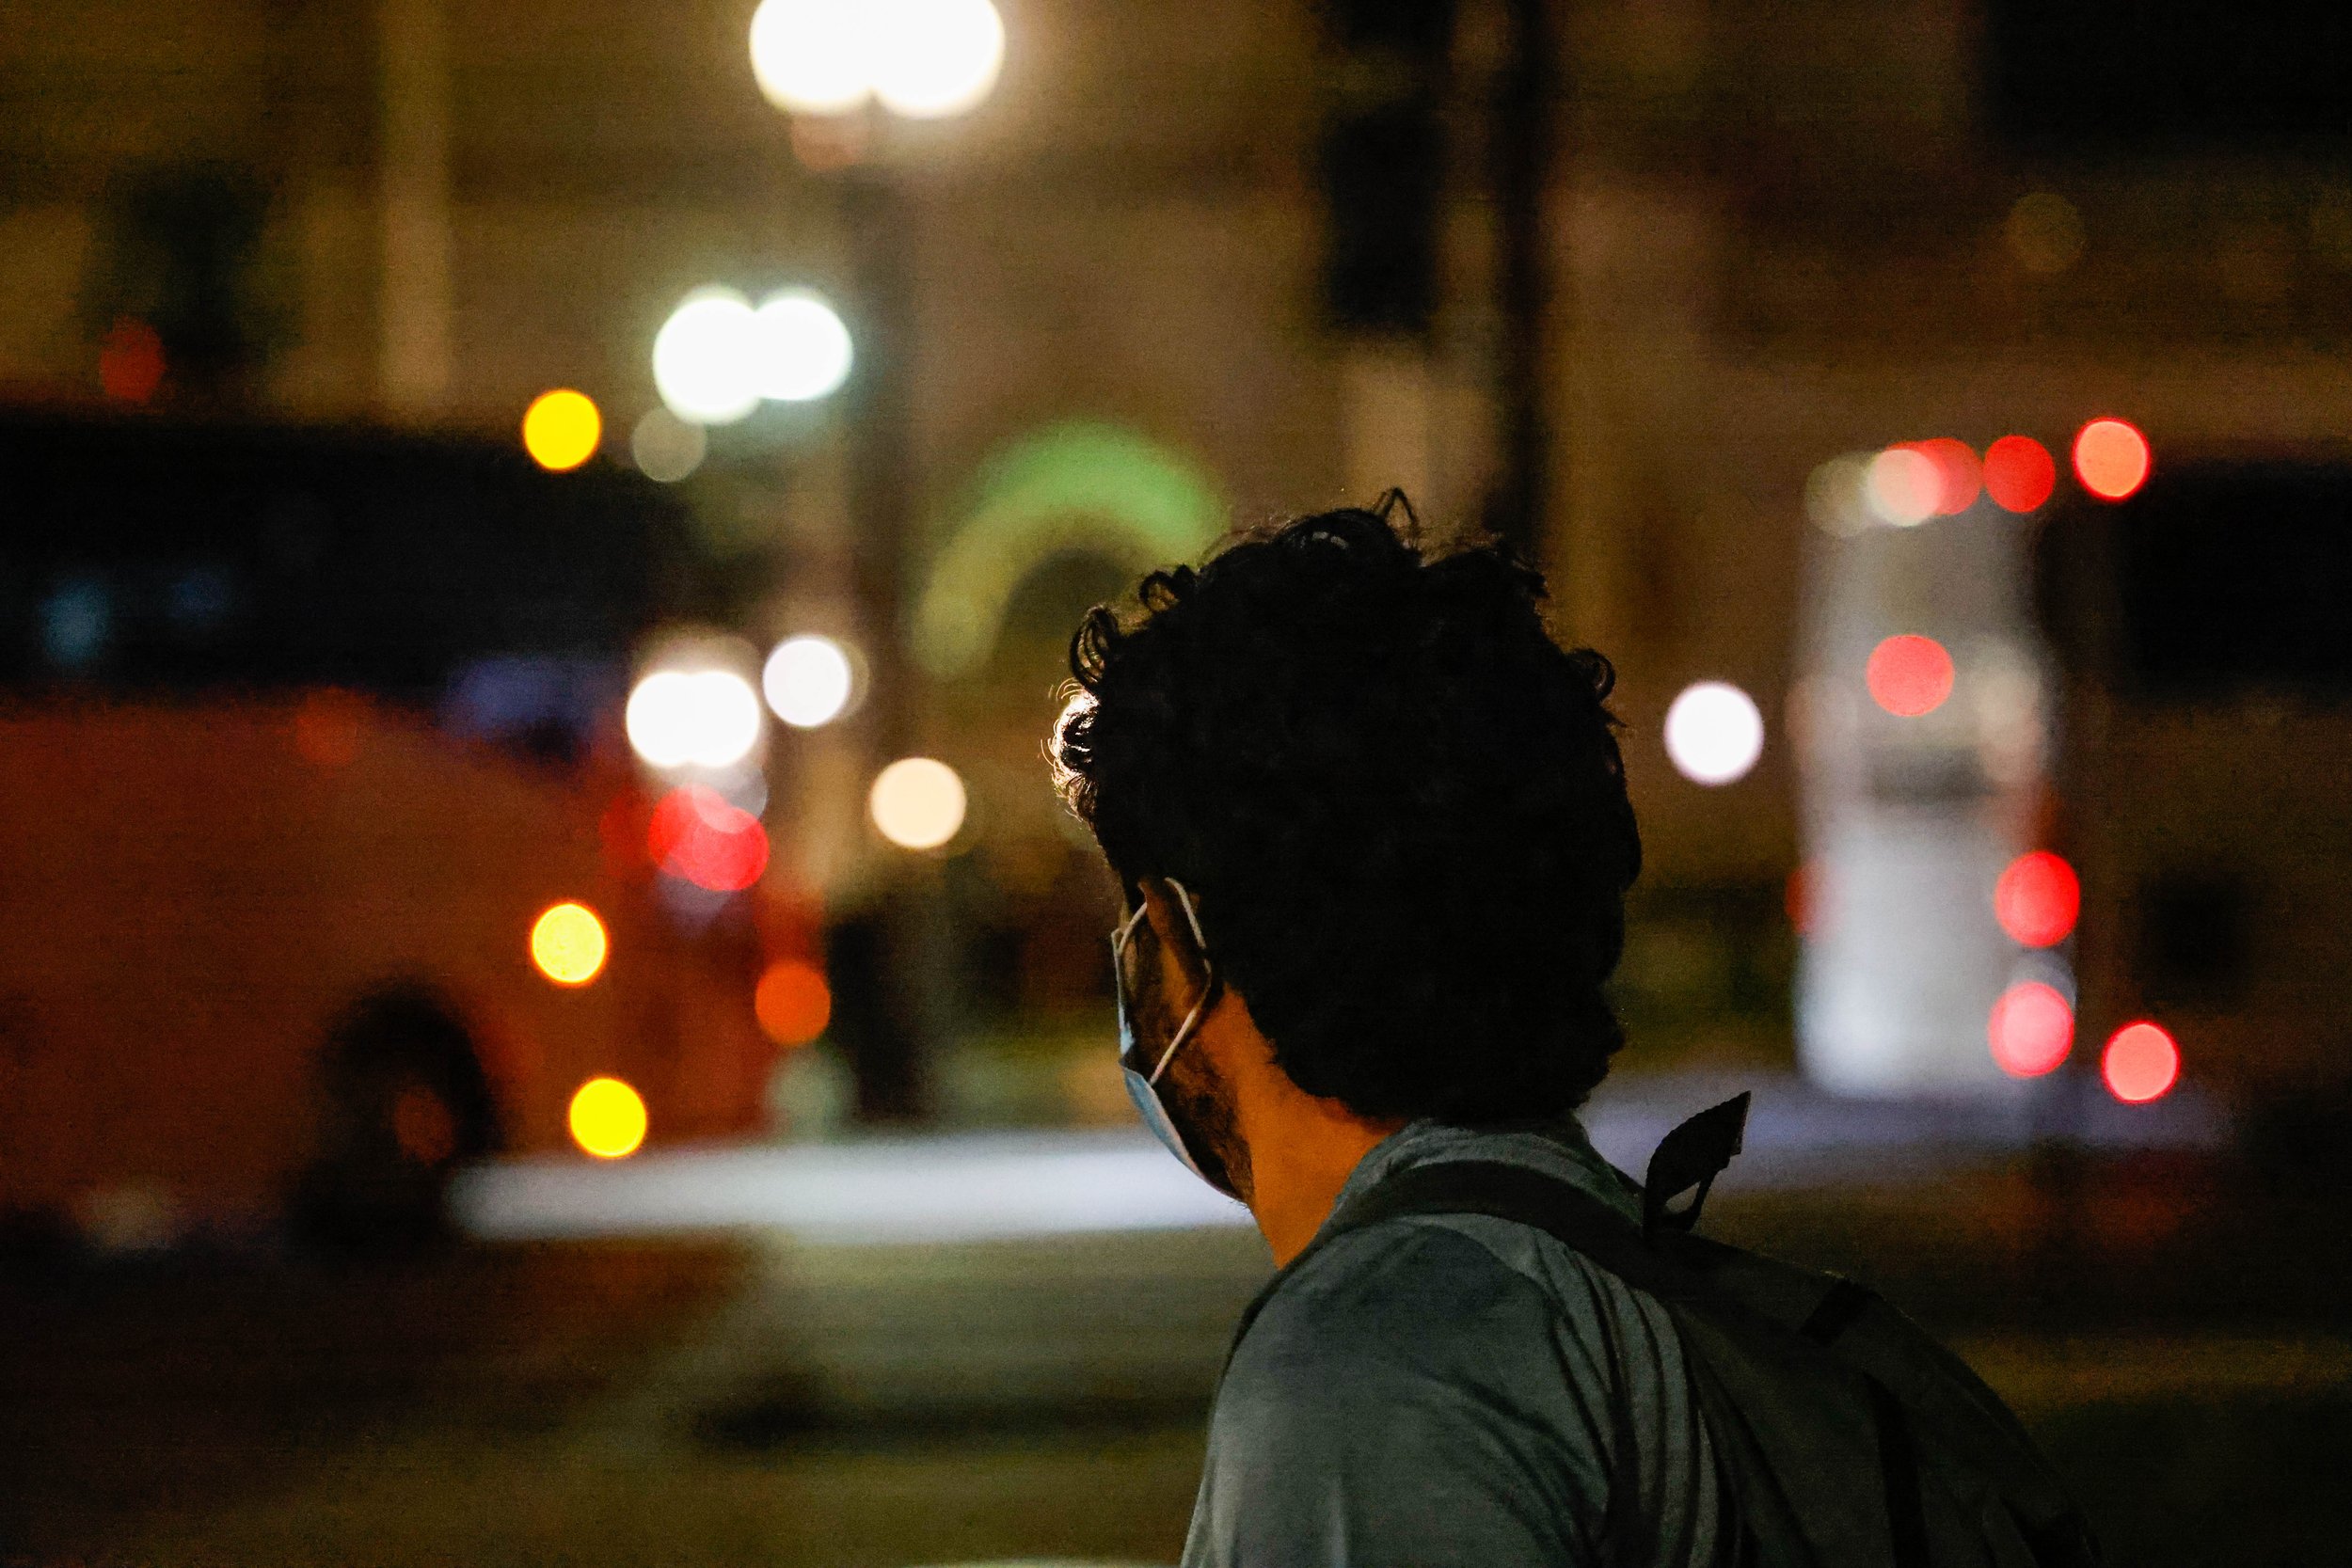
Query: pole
[890, 950]
[1522, 152]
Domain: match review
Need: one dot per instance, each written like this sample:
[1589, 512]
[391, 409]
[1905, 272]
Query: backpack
[1846, 1435]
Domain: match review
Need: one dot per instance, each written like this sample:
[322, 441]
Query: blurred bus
[301, 733]
[2203, 773]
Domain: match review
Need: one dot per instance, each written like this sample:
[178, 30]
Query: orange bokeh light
[2019, 473]
[1909, 676]
[2037, 900]
[793, 1002]
[2030, 1030]
[561, 428]
[2111, 458]
[569, 945]
[2142, 1062]
[607, 1119]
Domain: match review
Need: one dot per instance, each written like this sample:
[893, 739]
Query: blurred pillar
[1522, 151]
[412, 167]
[896, 952]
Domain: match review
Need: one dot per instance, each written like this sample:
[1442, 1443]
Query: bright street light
[692, 718]
[801, 349]
[703, 361]
[811, 57]
[926, 60]
[939, 58]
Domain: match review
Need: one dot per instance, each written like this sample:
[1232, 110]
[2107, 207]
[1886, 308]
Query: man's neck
[1302, 1148]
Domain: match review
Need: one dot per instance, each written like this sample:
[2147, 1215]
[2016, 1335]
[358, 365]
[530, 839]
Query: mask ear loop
[1208, 982]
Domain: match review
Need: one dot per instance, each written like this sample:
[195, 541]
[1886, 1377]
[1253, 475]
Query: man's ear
[1164, 914]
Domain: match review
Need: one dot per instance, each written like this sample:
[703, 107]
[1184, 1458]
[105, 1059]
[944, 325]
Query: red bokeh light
[697, 835]
[2030, 1030]
[130, 361]
[2037, 900]
[2111, 458]
[1957, 473]
[1909, 676]
[2019, 473]
[2142, 1063]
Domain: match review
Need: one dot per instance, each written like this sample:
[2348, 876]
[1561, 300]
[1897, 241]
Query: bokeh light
[1905, 486]
[809, 680]
[1909, 676]
[703, 360]
[665, 448]
[1959, 474]
[1713, 732]
[607, 1119]
[561, 428]
[2037, 900]
[2019, 473]
[2111, 458]
[568, 943]
[793, 1002]
[695, 834]
[936, 57]
[692, 718]
[2030, 1030]
[922, 58]
[814, 56]
[2142, 1063]
[800, 347]
[1838, 496]
[918, 802]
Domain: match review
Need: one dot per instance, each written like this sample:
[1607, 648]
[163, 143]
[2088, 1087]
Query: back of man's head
[1400, 804]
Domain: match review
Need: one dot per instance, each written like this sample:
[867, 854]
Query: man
[1372, 827]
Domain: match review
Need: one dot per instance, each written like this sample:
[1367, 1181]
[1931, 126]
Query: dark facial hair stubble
[1194, 1093]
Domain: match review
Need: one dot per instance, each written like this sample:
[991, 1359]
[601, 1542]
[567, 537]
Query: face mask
[1141, 1087]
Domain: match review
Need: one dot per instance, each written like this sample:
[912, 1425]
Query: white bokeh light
[1713, 732]
[800, 347]
[703, 364]
[692, 718]
[809, 680]
[933, 58]
[918, 802]
[814, 56]
[1904, 486]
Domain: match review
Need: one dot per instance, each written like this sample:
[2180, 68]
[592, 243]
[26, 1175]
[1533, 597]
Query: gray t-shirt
[1457, 1389]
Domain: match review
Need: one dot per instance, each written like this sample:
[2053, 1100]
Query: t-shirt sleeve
[1406, 1402]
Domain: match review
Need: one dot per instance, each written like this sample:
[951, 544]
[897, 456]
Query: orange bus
[302, 732]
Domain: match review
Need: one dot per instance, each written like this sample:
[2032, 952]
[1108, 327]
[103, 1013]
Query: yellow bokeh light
[561, 429]
[608, 1118]
[569, 944]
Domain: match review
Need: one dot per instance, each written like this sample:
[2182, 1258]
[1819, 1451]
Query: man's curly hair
[1399, 803]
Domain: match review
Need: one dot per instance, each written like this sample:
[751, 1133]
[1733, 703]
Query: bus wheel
[404, 1103]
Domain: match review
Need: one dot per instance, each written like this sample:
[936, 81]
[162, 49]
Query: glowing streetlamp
[927, 59]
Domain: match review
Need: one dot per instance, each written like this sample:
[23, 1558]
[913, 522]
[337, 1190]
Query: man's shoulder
[1416, 1291]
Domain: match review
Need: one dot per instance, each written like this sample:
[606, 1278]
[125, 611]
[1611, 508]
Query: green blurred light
[1079, 486]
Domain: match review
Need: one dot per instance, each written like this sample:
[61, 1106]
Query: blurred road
[776, 1394]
